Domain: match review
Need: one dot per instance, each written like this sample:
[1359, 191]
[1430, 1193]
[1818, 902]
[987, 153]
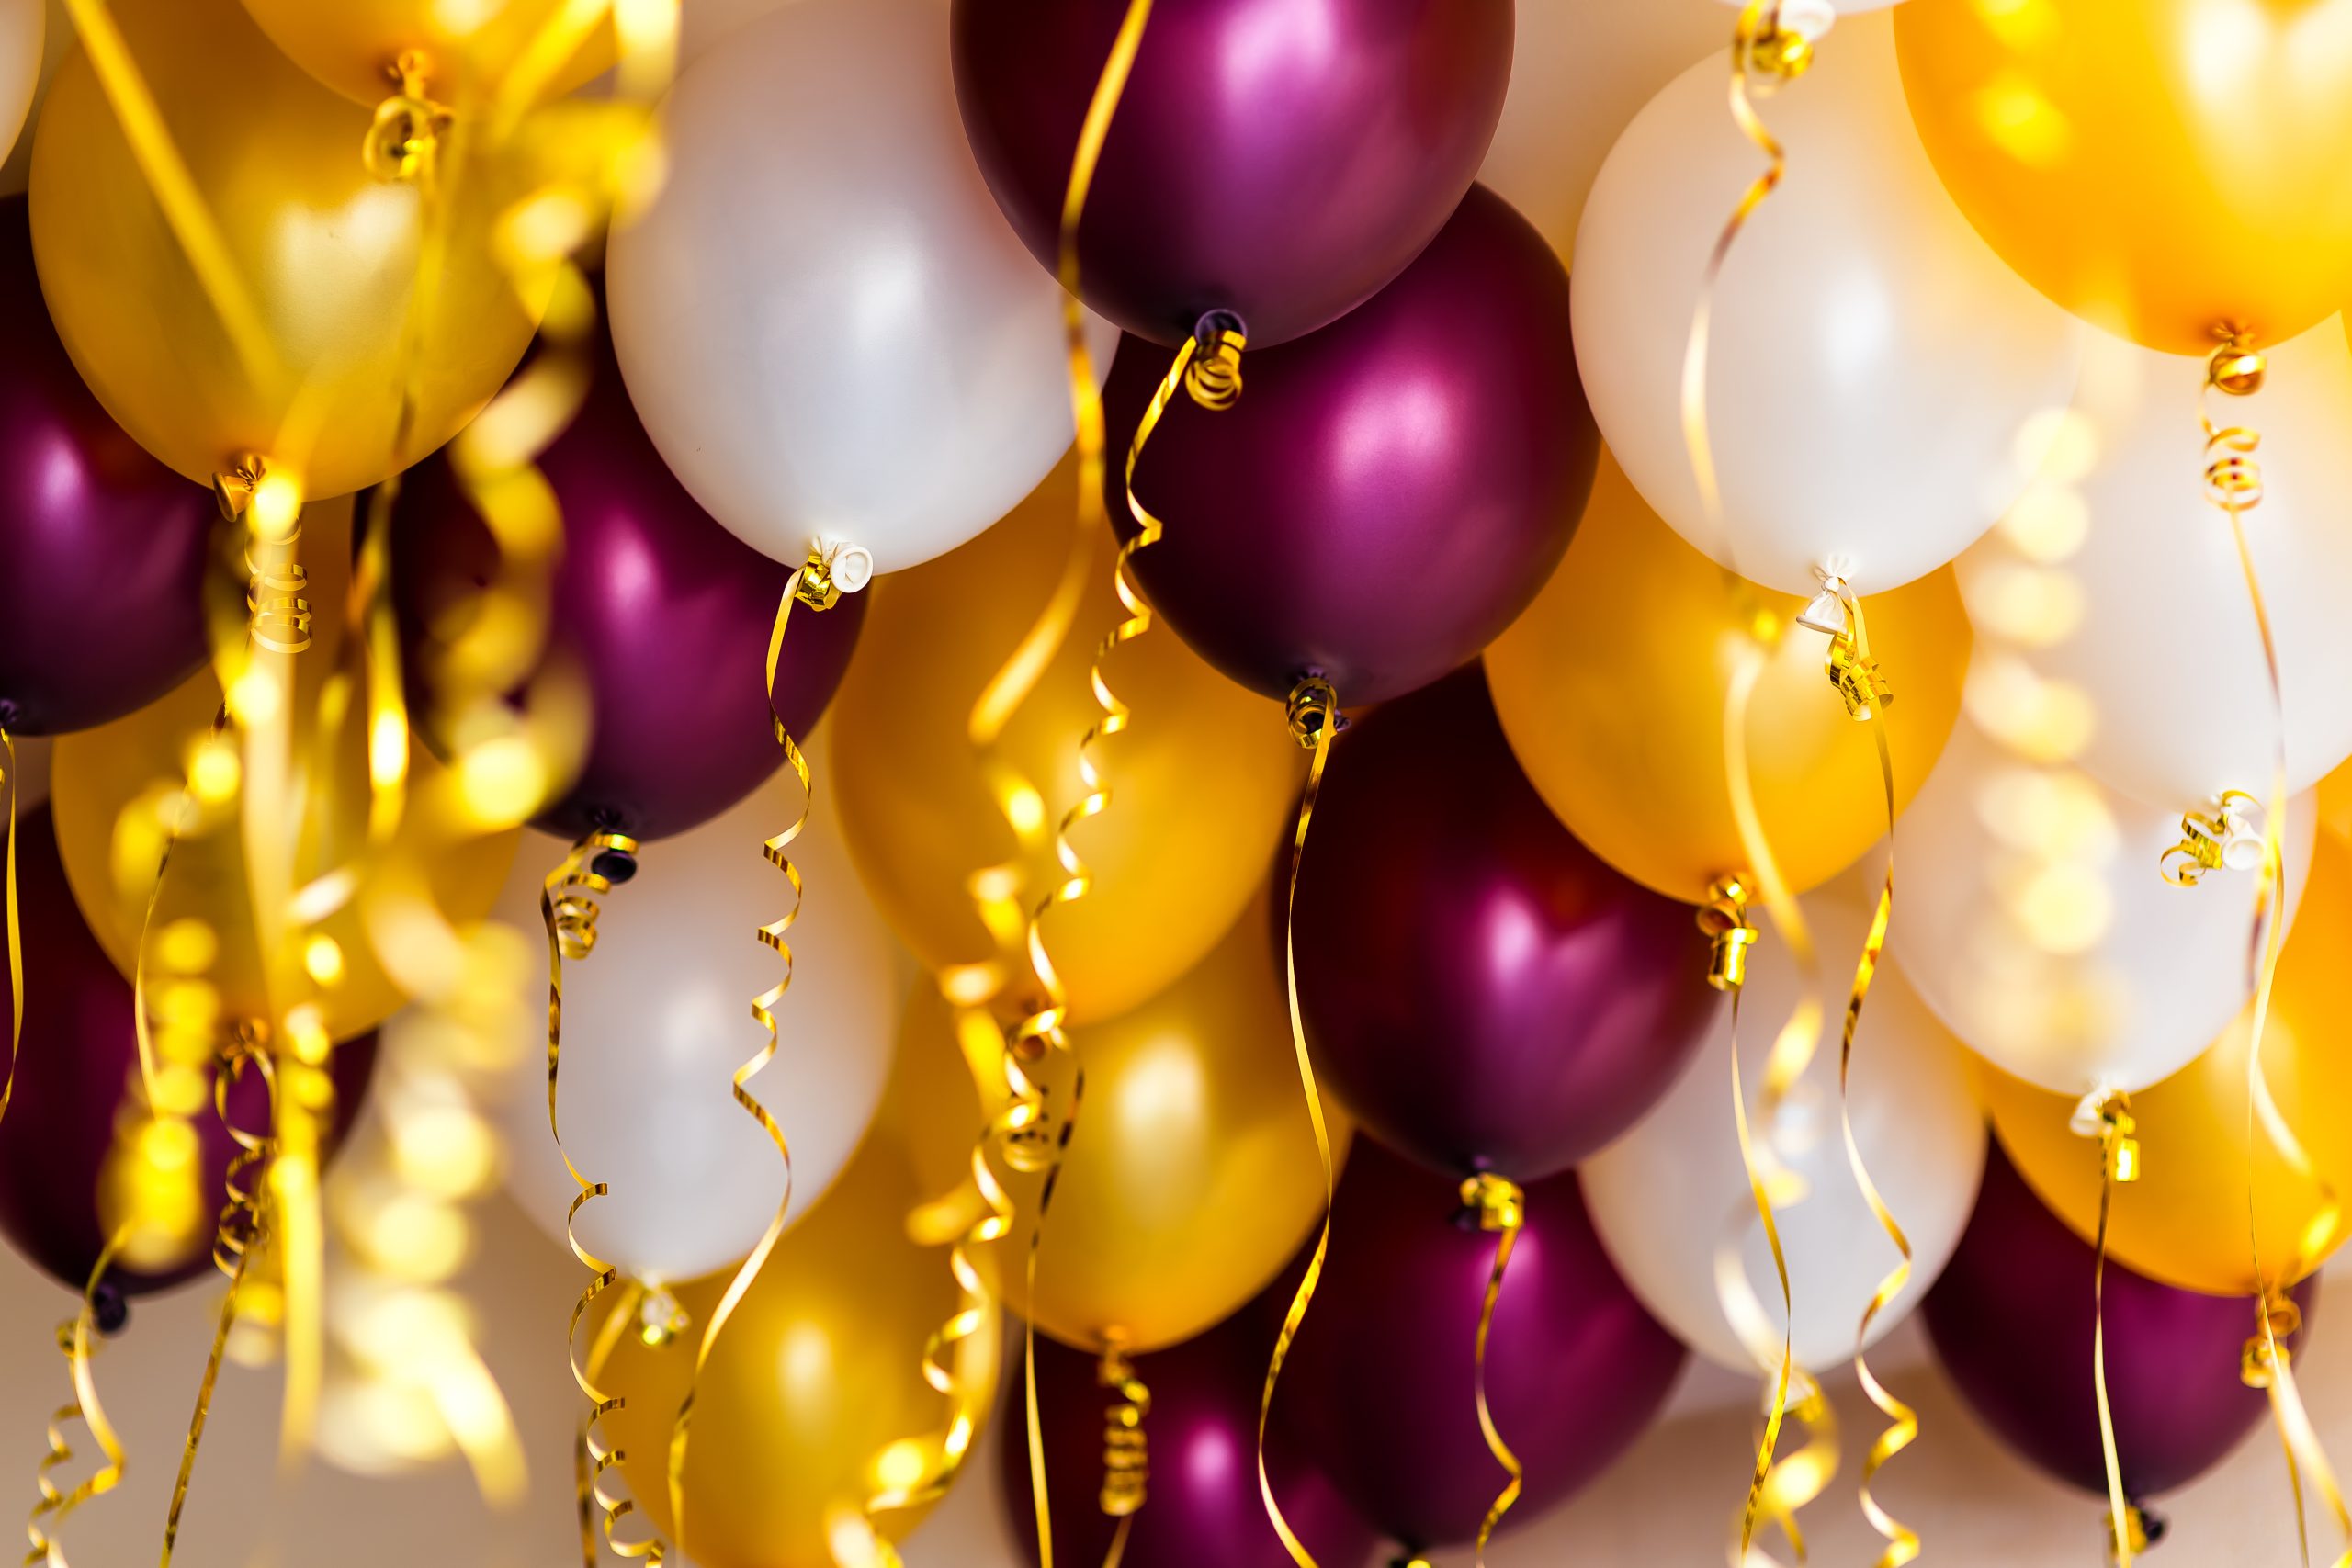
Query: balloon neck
[2106, 1115]
[832, 570]
[2236, 366]
[109, 1308]
[1313, 712]
[1723, 919]
[2227, 836]
[1213, 376]
[1125, 1456]
[573, 887]
[1775, 38]
[2143, 1528]
[661, 1318]
[1493, 1202]
[403, 145]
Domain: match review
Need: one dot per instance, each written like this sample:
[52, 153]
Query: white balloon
[1663, 1195]
[2167, 648]
[1874, 367]
[825, 323]
[2100, 977]
[33, 44]
[658, 1017]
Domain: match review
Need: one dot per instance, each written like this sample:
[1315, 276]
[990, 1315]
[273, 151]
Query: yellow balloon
[325, 257]
[2159, 167]
[1611, 690]
[465, 52]
[1203, 784]
[2185, 1221]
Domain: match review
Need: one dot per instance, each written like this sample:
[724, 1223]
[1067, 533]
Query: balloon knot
[2278, 1319]
[2235, 367]
[2229, 835]
[2144, 1527]
[1723, 919]
[661, 1318]
[1774, 43]
[831, 572]
[1213, 377]
[403, 144]
[2106, 1115]
[1496, 1201]
[597, 864]
[1312, 709]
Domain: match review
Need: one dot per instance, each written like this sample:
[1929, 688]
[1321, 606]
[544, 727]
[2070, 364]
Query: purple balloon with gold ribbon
[1278, 161]
[1388, 493]
[1483, 992]
[663, 611]
[103, 549]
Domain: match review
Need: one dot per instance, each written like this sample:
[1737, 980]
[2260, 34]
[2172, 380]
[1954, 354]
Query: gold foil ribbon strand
[1501, 1210]
[2109, 1116]
[50, 1512]
[15, 941]
[1127, 1466]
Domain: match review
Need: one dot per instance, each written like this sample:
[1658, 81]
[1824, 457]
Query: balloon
[1388, 494]
[890, 378]
[328, 252]
[1611, 690]
[2184, 1222]
[1662, 1195]
[657, 1018]
[2035, 923]
[2141, 662]
[1199, 797]
[2011, 1321]
[2157, 166]
[665, 614]
[22, 29]
[1379, 1385]
[77, 1066]
[1872, 368]
[466, 52]
[1282, 168]
[1483, 993]
[92, 523]
[57, 41]
[1201, 1503]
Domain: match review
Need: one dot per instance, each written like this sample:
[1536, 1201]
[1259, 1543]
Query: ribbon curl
[1500, 1209]
[2107, 1116]
[73, 1339]
[15, 941]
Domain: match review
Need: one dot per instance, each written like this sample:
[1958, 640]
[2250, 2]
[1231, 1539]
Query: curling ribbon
[1500, 1208]
[73, 1338]
[1313, 712]
[2107, 1116]
[15, 941]
[1126, 1467]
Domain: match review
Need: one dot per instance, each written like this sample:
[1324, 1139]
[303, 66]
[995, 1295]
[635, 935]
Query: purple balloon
[1483, 992]
[1279, 158]
[102, 549]
[665, 612]
[2011, 1320]
[1389, 493]
[1202, 1506]
[1379, 1387]
[78, 1059]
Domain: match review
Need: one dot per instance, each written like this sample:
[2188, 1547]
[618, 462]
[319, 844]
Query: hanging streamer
[1501, 1211]
[15, 941]
[2107, 1116]
[1126, 1464]
[73, 1337]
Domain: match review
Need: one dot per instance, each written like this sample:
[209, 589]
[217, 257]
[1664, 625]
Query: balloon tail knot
[661, 1318]
[831, 570]
[403, 145]
[1126, 1466]
[2106, 1115]
[1313, 707]
[1495, 1202]
[1214, 376]
[2280, 1319]
[1725, 919]
[2228, 835]
[2144, 1528]
[2236, 367]
[1775, 39]
[598, 863]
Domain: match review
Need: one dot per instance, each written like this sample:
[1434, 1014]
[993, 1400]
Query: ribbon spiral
[73, 1338]
[1500, 1209]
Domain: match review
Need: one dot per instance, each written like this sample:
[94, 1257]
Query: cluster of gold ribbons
[1501, 1211]
[2107, 1116]
[73, 1337]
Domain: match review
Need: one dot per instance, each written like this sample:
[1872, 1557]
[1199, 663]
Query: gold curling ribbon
[1313, 712]
[1501, 1210]
[2107, 1116]
[1126, 1467]
[16, 940]
[50, 1512]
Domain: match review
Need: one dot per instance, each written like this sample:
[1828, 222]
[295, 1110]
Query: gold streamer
[2108, 1115]
[50, 1512]
[15, 941]
[1501, 1208]
[1126, 1467]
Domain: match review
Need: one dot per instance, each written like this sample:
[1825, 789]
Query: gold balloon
[1203, 782]
[1611, 690]
[2159, 167]
[326, 255]
[465, 52]
[2185, 1221]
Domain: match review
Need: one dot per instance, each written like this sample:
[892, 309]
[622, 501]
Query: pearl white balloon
[35, 36]
[1875, 368]
[1663, 1195]
[825, 323]
[2104, 978]
[657, 1018]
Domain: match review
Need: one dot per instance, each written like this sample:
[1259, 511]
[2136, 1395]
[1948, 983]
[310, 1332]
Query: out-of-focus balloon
[1201, 786]
[1390, 493]
[103, 550]
[665, 613]
[56, 42]
[2012, 1321]
[890, 378]
[1483, 992]
[1663, 1194]
[2157, 166]
[327, 252]
[1379, 1387]
[2185, 1221]
[1611, 690]
[463, 53]
[1873, 370]
[1281, 170]
[657, 1018]
[2035, 923]
[23, 34]
[77, 1068]
[2180, 694]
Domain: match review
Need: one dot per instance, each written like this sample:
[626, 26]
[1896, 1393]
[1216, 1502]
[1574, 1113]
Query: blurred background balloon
[464, 53]
[23, 33]
[1285, 181]
[657, 1018]
[1873, 370]
[890, 378]
[1390, 493]
[57, 41]
[1611, 690]
[1663, 1194]
[2035, 924]
[103, 550]
[1483, 992]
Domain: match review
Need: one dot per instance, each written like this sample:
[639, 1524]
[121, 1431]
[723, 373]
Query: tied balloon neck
[2277, 1320]
[1725, 919]
[599, 863]
[1125, 1454]
[1494, 1203]
[268, 504]
[403, 145]
[1852, 674]
[1213, 376]
[831, 570]
[2230, 834]
[2106, 1115]
[1313, 712]
[1774, 41]
[2144, 1527]
[2235, 367]
[662, 1318]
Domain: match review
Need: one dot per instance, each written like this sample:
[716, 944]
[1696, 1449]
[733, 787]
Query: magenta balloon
[664, 611]
[1280, 158]
[1379, 1386]
[1389, 493]
[1482, 991]
[1202, 1506]
[2011, 1320]
[78, 1059]
[102, 549]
